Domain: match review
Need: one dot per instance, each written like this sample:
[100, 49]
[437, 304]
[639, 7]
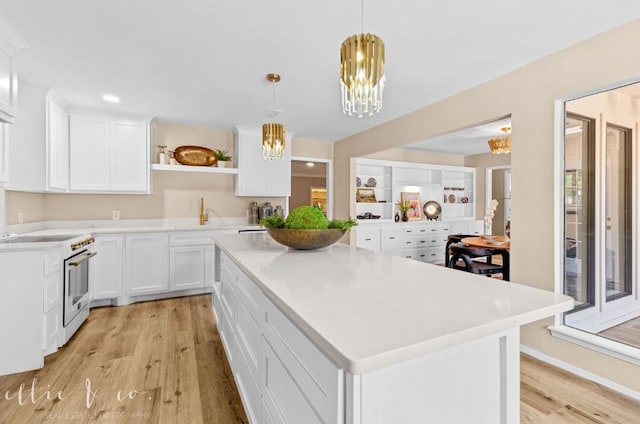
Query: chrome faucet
[204, 216]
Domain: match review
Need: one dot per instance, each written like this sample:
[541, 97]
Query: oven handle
[84, 259]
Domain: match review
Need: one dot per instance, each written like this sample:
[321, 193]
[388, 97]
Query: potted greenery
[222, 156]
[404, 207]
[306, 228]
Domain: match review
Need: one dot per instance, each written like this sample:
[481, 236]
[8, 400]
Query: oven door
[76, 284]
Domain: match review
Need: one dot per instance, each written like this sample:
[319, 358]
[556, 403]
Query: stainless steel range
[77, 252]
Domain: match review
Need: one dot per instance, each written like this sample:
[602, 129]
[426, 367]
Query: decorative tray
[195, 156]
[432, 209]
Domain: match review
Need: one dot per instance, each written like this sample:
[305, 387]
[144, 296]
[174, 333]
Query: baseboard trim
[580, 372]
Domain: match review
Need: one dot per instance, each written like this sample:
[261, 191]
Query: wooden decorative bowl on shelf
[195, 156]
[305, 239]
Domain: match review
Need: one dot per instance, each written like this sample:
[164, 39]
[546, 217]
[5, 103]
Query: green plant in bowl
[222, 155]
[306, 228]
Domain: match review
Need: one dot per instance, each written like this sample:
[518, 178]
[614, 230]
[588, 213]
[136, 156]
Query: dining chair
[467, 258]
[453, 238]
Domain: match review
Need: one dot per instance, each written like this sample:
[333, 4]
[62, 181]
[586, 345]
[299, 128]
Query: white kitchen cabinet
[368, 237]
[4, 154]
[108, 155]
[10, 44]
[187, 265]
[391, 241]
[146, 263]
[107, 267]
[57, 132]
[52, 300]
[257, 176]
[40, 142]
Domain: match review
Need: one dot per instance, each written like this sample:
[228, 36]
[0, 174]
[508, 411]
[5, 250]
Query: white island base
[368, 338]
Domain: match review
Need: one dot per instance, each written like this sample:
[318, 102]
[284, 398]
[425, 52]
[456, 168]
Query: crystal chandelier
[273, 134]
[362, 73]
[502, 144]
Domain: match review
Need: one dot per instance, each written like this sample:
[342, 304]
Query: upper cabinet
[10, 44]
[108, 155]
[4, 154]
[40, 142]
[257, 176]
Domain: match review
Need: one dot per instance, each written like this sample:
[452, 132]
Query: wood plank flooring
[628, 332]
[163, 362]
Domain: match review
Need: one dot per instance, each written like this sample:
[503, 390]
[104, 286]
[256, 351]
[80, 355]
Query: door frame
[488, 186]
[329, 180]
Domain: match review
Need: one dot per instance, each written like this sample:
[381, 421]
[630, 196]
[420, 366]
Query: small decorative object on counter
[195, 156]
[172, 159]
[254, 213]
[267, 210]
[396, 218]
[278, 211]
[488, 216]
[404, 206]
[162, 156]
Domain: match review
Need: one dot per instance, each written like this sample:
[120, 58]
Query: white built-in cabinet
[108, 155]
[10, 44]
[257, 176]
[107, 267]
[191, 260]
[146, 263]
[282, 377]
[40, 142]
[4, 154]
[57, 152]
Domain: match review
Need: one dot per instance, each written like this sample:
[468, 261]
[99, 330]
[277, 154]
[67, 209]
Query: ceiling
[204, 62]
[302, 169]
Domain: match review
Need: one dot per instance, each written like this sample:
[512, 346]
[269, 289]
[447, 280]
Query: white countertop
[368, 310]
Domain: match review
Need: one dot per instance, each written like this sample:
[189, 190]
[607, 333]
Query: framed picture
[366, 195]
[415, 211]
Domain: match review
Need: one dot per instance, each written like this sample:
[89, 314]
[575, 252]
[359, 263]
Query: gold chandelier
[502, 144]
[273, 134]
[362, 73]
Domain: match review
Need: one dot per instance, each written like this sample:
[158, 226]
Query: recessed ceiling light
[310, 164]
[111, 98]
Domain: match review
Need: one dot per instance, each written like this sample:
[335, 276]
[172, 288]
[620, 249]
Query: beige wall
[528, 95]
[418, 156]
[481, 163]
[175, 194]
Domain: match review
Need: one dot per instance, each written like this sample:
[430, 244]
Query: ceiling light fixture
[502, 144]
[111, 98]
[362, 73]
[273, 134]
[310, 164]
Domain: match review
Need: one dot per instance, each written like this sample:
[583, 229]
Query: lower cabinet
[281, 375]
[4, 154]
[186, 265]
[106, 267]
[146, 263]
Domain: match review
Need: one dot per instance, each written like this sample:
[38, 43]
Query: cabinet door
[368, 238]
[57, 148]
[129, 157]
[89, 153]
[106, 267]
[391, 241]
[4, 154]
[146, 263]
[187, 267]
[256, 176]
[8, 87]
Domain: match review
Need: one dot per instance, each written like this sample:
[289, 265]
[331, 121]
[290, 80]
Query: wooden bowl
[305, 239]
[194, 156]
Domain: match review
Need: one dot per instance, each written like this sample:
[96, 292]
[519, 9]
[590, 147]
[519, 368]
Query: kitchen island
[345, 335]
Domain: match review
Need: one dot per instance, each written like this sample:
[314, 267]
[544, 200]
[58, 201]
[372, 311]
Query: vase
[222, 163]
[405, 218]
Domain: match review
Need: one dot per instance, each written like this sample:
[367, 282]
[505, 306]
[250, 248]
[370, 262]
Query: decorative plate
[195, 156]
[432, 209]
[371, 182]
[452, 198]
[464, 199]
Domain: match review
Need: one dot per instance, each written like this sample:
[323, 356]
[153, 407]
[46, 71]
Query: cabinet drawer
[250, 295]
[229, 301]
[282, 396]
[228, 338]
[368, 238]
[416, 241]
[416, 254]
[415, 230]
[249, 340]
[248, 388]
[191, 238]
[52, 290]
[52, 262]
[435, 254]
[306, 368]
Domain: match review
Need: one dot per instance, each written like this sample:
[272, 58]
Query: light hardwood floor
[628, 332]
[170, 351]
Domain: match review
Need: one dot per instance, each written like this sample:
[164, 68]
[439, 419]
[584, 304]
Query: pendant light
[502, 144]
[362, 73]
[273, 134]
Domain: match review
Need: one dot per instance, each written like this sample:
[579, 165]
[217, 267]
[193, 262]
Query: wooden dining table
[484, 242]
